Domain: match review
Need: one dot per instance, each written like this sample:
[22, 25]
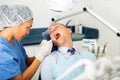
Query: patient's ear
[69, 30]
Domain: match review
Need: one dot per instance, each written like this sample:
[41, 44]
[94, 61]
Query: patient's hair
[58, 23]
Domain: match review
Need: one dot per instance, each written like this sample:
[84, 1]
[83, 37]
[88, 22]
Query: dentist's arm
[44, 49]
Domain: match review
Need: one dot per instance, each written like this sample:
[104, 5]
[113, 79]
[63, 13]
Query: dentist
[15, 22]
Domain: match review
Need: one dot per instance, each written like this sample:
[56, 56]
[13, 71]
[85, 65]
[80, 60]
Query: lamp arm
[86, 9]
[102, 21]
[67, 16]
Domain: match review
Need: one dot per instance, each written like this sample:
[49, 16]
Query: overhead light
[60, 5]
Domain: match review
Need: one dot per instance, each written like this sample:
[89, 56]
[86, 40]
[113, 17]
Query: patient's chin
[55, 42]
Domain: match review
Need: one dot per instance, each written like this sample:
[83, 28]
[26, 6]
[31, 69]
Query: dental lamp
[62, 5]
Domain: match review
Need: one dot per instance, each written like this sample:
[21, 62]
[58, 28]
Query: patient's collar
[64, 49]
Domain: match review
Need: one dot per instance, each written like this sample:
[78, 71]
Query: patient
[55, 64]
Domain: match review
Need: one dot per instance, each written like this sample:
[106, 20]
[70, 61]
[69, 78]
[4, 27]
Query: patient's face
[59, 34]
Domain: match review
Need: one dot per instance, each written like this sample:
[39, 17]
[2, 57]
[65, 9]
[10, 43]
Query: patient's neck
[67, 44]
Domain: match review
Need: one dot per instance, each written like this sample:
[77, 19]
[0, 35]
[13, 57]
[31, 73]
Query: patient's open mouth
[57, 35]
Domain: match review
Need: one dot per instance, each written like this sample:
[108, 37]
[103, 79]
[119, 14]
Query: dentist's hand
[44, 49]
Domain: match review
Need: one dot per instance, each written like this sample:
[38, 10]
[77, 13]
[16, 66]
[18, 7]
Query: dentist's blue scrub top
[12, 59]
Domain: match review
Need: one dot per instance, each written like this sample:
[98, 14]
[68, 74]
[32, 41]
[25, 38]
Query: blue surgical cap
[12, 15]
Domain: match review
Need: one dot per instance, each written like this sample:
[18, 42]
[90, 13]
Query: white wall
[107, 9]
